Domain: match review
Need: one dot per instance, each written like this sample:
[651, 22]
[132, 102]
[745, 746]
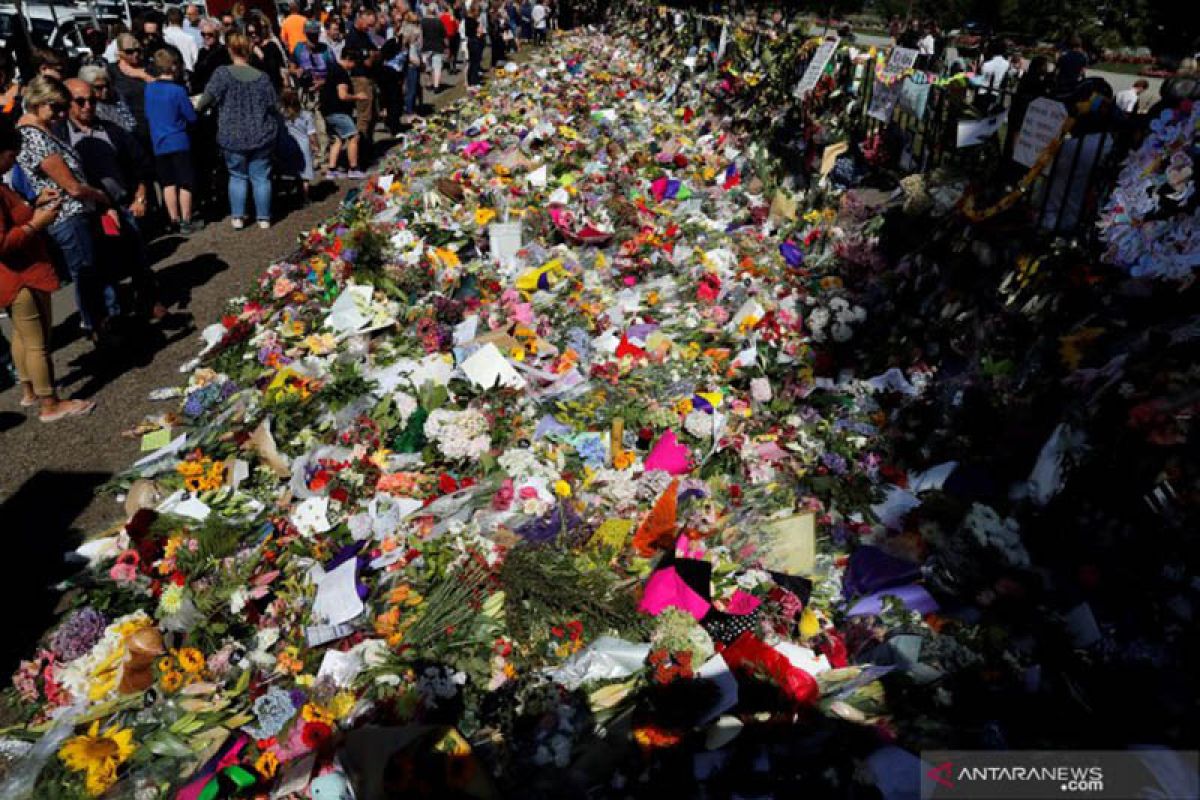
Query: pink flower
[502, 500]
[630, 280]
[125, 570]
[760, 390]
[282, 288]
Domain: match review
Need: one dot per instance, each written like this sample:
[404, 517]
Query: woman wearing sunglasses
[52, 164]
[129, 78]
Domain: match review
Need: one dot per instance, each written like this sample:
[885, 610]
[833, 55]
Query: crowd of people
[179, 118]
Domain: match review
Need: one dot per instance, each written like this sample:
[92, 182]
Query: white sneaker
[238, 223]
[264, 224]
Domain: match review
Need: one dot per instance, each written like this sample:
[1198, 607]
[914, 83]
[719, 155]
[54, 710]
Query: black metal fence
[1061, 199]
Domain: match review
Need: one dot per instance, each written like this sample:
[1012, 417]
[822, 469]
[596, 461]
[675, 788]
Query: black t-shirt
[1069, 70]
[433, 35]
[474, 29]
[330, 101]
[272, 62]
[360, 41]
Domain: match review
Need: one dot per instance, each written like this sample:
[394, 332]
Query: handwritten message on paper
[1042, 124]
[816, 67]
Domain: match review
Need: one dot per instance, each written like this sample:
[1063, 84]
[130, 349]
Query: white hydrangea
[699, 424]
[617, 486]
[459, 434]
[997, 533]
[522, 462]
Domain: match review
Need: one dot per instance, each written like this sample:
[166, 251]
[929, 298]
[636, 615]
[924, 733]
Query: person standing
[526, 12]
[475, 45]
[298, 153]
[50, 163]
[247, 128]
[433, 42]
[27, 282]
[191, 23]
[926, 48]
[181, 40]
[267, 54]
[291, 30]
[212, 54]
[115, 163]
[1068, 71]
[362, 74]
[497, 24]
[539, 15]
[129, 79]
[393, 60]
[311, 57]
[335, 35]
[337, 104]
[453, 39]
[410, 39]
[109, 105]
[169, 112]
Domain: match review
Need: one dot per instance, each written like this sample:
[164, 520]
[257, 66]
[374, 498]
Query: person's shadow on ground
[137, 340]
[37, 520]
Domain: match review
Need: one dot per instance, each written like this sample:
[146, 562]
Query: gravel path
[49, 473]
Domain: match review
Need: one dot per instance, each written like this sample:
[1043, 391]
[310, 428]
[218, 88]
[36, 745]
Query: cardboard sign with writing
[901, 59]
[1042, 124]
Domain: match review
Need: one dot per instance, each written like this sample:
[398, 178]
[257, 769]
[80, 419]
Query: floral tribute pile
[541, 469]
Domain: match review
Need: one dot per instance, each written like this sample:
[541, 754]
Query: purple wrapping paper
[914, 597]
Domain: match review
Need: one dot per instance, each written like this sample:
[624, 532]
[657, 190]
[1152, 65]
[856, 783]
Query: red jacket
[450, 24]
[24, 260]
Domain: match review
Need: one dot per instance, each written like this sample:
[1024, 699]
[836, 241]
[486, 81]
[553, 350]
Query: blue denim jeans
[73, 246]
[250, 169]
[412, 84]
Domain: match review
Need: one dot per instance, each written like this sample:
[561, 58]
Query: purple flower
[834, 462]
[78, 633]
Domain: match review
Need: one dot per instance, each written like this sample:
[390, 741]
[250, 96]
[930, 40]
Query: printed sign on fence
[816, 67]
[1043, 123]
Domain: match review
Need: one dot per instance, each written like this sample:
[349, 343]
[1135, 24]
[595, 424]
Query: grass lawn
[1119, 67]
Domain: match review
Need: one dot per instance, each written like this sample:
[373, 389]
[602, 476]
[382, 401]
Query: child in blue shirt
[169, 111]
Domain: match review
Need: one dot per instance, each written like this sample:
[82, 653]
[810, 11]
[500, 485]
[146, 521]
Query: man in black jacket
[115, 161]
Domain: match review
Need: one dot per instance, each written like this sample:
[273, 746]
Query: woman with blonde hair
[247, 127]
[129, 78]
[50, 163]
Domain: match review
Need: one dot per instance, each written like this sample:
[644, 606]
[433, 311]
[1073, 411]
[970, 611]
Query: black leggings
[474, 62]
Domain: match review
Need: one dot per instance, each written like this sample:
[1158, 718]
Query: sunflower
[99, 755]
[191, 660]
[171, 680]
